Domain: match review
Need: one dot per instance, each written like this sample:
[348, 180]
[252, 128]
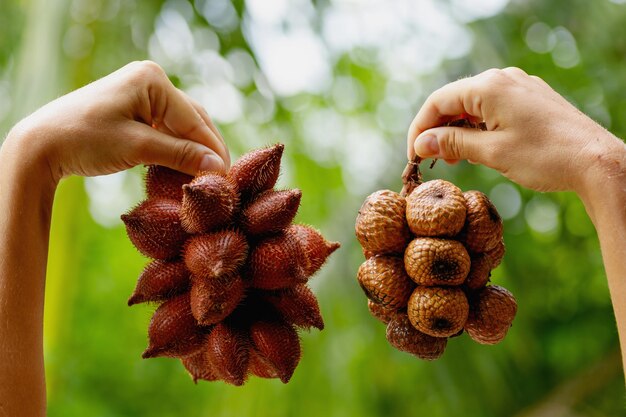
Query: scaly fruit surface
[229, 269]
[402, 335]
[492, 310]
[435, 261]
[381, 225]
[438, 311]
[385, 282]
[483, 226]
[436, 208]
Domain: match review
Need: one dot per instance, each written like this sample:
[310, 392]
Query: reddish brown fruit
[483, 225]
[403, 336]
[278, 342]
[261, 366]
[435, 208]
[198, 366]
[257, 171]
[215, 238]
[154, 228]
[173, 331]
[271, 212]
[381, 225]
[492, 311]
[297, 305]
[273, 263]
[380, 312]
[228, 350]
[163, 182]
[479, 273]
[385, 282]
[314, 248]
[213, 299]
[434, 261]
[438, 311]
[496, 254]
[209, 202]
[160, 280]
[217, 254]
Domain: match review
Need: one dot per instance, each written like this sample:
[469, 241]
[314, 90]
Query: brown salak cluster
[229, 269]
[429, 260]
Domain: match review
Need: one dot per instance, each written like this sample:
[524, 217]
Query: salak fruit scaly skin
[230, 269]
[454, 242]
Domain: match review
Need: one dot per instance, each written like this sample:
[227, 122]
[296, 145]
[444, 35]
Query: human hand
[534, 136]
[133, 116]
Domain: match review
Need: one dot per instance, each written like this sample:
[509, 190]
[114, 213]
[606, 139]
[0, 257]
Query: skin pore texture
[539, 140]
[136, 116]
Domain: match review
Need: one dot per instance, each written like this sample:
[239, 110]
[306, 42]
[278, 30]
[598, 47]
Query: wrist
[27, 155]
[602, 187]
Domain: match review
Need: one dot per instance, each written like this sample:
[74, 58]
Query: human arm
[538, 139]
[133, 116]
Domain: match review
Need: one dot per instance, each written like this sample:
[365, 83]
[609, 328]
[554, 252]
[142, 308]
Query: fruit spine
[429, 254]
[229, 269]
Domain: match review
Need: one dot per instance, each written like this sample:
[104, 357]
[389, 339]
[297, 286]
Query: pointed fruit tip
[134, 299]
[150, 352]
[333, 246]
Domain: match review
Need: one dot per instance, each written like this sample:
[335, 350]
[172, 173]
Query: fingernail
[427, 145]
[211, 163]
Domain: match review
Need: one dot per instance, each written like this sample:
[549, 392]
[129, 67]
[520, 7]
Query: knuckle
[146, 71]
[453, 144]
[184, 155]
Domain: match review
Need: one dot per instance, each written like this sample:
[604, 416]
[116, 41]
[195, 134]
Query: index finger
[443, 105]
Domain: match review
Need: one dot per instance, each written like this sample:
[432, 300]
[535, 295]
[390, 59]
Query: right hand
[534, 136]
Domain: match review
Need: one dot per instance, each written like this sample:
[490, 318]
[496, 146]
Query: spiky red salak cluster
[230, 269]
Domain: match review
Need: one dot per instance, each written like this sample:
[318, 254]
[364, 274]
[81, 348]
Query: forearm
[26, 194]
[605, 200]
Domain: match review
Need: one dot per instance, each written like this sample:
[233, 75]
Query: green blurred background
[338, 82]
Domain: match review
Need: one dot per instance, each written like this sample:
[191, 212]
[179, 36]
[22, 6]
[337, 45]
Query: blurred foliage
[344, 139]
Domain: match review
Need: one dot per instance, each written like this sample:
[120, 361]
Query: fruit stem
[412, 176]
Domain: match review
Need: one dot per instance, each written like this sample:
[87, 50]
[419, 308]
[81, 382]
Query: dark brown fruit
[154, 228]
[435, 261]
[173, 331]
[438, 311]
[385, 282]
[209, 202]
[213, 299]
[274, 263]
[483, 225]
[381, 226]
[215, 255]
[271, 212]
[297, 306]
[260, 366]
[403, 336]
[229, 265]
[479, 273]
[496, 254]
[279, 344]
[198, 366]
[313, 247]
[163, 182]
[491, 314]
[435, 208]
[161, 280]
[257, 171]
[383, 314]
[228, 350]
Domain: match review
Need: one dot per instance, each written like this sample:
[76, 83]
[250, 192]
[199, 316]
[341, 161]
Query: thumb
[179, 154]
[452, 143]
